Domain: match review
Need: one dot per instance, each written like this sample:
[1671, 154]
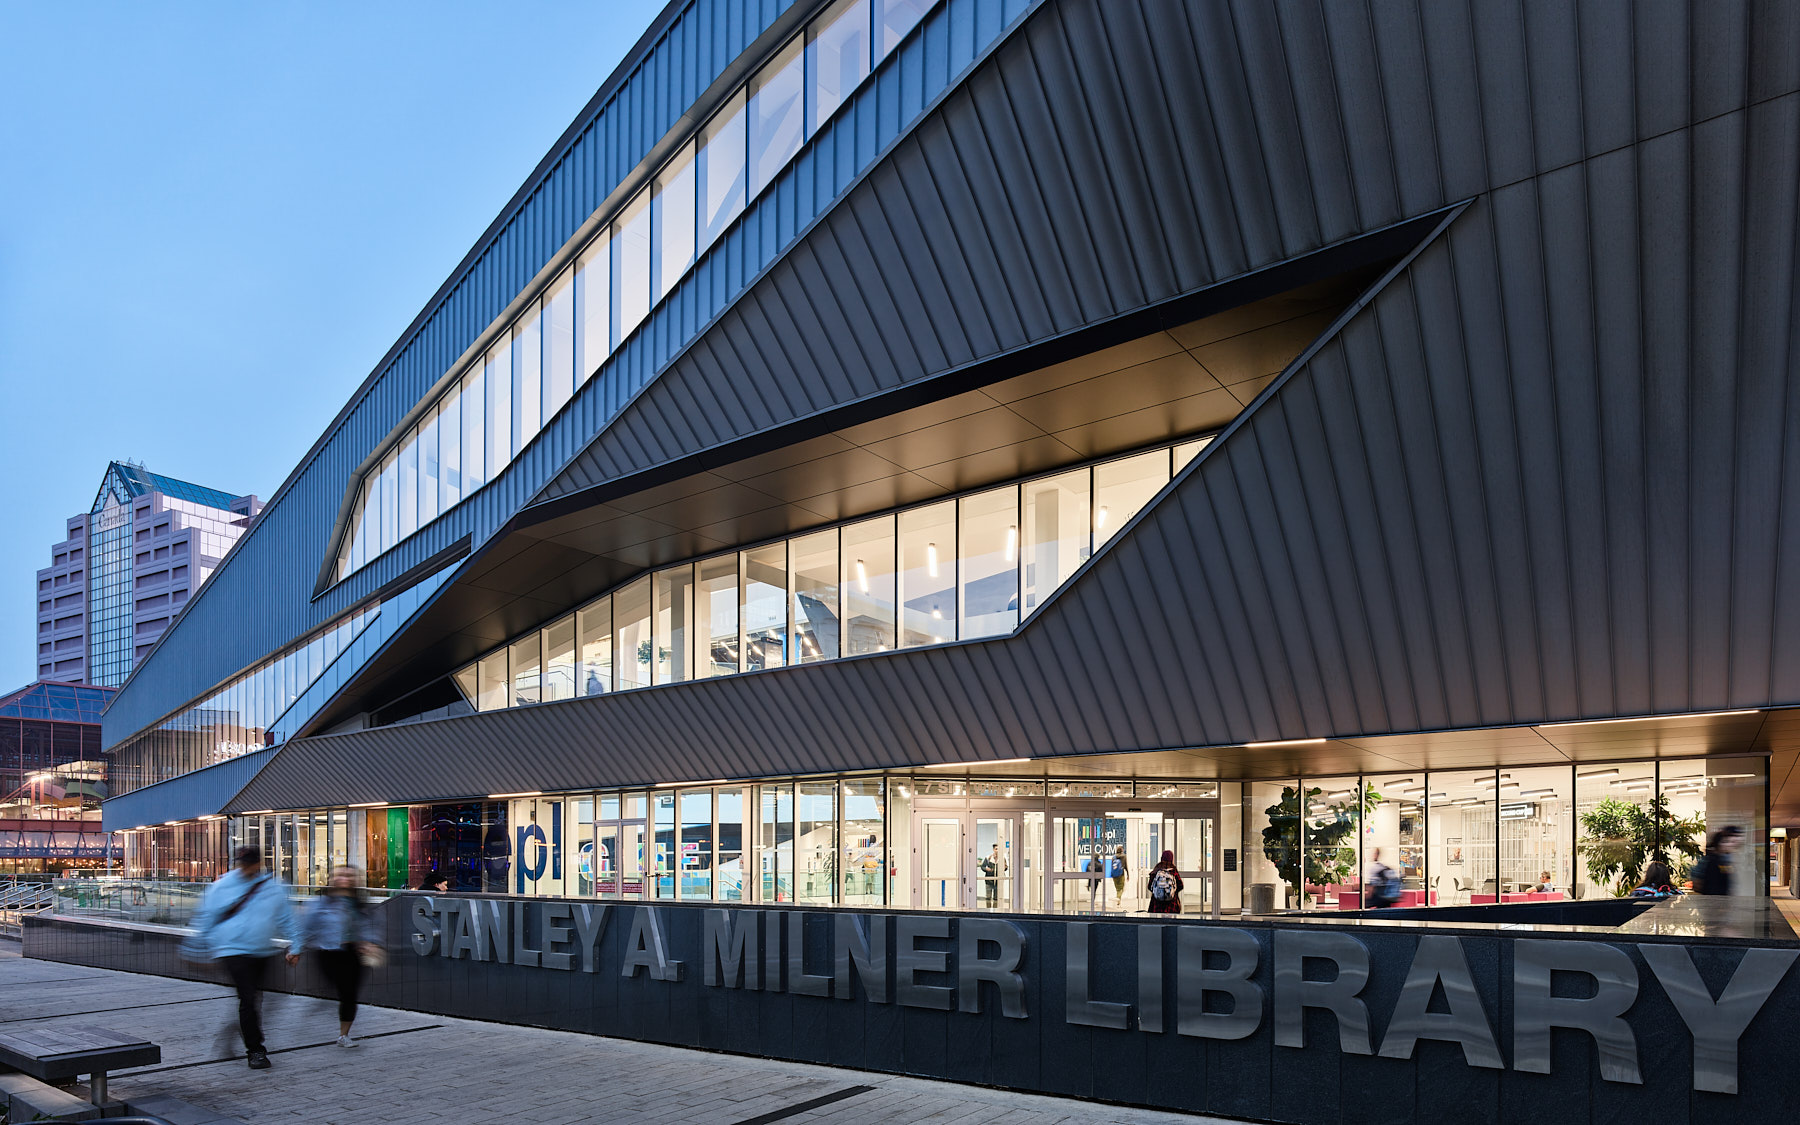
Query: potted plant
[1329, 854]
[1619, 837]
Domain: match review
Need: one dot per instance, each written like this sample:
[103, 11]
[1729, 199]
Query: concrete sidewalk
[412, 1069]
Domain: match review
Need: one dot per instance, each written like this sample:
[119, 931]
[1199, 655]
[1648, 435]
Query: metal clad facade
[1494, 497]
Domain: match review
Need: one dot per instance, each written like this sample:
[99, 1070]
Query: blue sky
[216, 217]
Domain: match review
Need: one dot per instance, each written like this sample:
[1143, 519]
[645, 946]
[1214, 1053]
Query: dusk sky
[220, 216]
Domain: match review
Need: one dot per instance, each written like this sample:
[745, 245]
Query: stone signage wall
[1266, 1021]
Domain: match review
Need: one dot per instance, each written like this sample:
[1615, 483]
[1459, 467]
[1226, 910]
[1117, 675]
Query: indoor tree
[1329, 855]
[1619, 837]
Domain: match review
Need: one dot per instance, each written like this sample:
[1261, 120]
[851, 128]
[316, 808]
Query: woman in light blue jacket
[340, 930]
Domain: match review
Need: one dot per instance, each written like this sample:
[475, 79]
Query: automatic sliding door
[941, 877]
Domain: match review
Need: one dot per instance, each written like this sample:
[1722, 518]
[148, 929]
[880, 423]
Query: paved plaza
[412, 1068]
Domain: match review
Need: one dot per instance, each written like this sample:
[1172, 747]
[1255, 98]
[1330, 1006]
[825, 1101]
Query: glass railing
[152, 902]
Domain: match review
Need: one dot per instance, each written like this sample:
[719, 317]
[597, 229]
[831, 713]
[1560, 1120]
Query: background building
[126, 567]
[52, 779]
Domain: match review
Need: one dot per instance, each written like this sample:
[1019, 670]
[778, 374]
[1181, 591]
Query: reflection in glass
[672, 219]
[988, 563]
[497, 373]
[631, 621]
[428, 467]
[775, 842]
[1271, 822]
[928, 575]
[815, 560]
[663, 806]
[816, 841]
[1056, 533]
[777, 114]
[527, 669]
[719, 171]
[837, 58]
[716, 616]
[864, 857]
[1395, 828]
[450, 448]
[730, 844]
[474, 434]
[559, 659]
[594, 625]
[765, 607]
[631, 267]
[674, 592]
[696, 863]
[894, 18]
[1122, 487]
[528, 376]
[1332, 822]
[1536, 825]
[868, 586]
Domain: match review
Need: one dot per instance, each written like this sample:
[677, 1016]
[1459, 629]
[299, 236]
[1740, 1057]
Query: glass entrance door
[942, 884]
[971, 858]
[995, 856]
[1191, 839]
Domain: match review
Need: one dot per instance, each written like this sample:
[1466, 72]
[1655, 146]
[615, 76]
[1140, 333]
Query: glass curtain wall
[478, 424]
[946, 571]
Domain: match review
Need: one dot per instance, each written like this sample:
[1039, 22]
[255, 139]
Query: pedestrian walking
[1165, 886]
[340, 930]
[1119, 871]
[1096, 873]
[237, 924]
[1383, 884]
[1712, 875]
[992, 868]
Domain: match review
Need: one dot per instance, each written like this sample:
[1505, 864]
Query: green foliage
[1619, 837]
[1330, 853]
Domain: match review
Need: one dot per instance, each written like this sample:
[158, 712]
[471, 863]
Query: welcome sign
[1631, 1014]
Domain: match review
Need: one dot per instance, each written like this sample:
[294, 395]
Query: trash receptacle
[1262, 898]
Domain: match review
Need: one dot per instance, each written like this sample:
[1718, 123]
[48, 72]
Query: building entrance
[1104, 853]
[977, 856]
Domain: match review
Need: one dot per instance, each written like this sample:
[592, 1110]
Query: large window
[484, 418]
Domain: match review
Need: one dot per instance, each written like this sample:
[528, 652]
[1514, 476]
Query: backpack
[1162, 885]
[1384, 888]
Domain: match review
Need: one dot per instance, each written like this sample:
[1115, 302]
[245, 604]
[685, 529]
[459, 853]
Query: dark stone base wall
[1251, 1078]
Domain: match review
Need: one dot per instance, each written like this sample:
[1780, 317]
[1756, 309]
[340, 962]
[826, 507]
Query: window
[777, 114]
[428, 467]
[837, 58]
[928, 575]
[716, 616]
[894, 18]
[868, 586]
[450, 448]
[527, 669]
[696, 843]
[987, 563]
[593, 307]
[559, 343]
[1122, 487]
[864, 857]
[559, 660]
[672, 220]
[409, 485]
[1461, 809]
[765, 607]
[631, 606]
[631, 267]
[594, 625]
[719, 171]
[474, 430]
[674, 593]
[498, 381]
[492, 685]
[815, 560]
[1055, 533]
[729, 845]
[527, 374]
[816, 842]
[663, 808]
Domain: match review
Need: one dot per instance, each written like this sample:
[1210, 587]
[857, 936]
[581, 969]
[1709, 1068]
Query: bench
[65, 1051]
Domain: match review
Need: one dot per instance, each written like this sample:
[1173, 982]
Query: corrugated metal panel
[1481, 503]
[262, 598]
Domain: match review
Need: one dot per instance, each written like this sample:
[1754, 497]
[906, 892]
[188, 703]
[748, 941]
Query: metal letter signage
[855, 944]
[1440, 960]
[1193, 980]
[801, 982]
[1079, 1005]
[1718, 1025]
[972, 968]
[910, 960]
[1536, 1011]
[645, 948]
[1150, 978]
[728, 953]
[1294, 993]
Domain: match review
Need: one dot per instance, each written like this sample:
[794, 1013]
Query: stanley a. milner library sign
[1661, 1013]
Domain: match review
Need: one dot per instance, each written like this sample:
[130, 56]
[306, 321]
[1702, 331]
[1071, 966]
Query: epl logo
[535, 852]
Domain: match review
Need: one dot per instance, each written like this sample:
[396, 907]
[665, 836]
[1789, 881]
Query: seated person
[1657, 875]
[1544, 885]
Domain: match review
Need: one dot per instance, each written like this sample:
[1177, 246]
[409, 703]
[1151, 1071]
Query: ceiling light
[1341, 793]
[368, 804]
[970, 765]
[862, 576]
[504, 796]
[1283, 742]
[1538, 793]
[1012, 541]
[1628, 781]
[931, 559]
[1600, 773]
[1650, 718]
[1396, 781]
[1722, 776]
[1100, 518]
[1643, 785]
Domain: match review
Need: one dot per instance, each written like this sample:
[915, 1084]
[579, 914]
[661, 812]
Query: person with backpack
[1120, 872]
[1095, 866]
[1712, 875]
[1165, 886]
[341, 930]
[239, 919]
[1383, 884]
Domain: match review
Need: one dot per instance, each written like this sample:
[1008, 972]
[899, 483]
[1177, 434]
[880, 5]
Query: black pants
[344, 969]
[247, 975]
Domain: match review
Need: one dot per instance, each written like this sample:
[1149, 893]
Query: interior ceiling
[1773, 733]
[1190, 379]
